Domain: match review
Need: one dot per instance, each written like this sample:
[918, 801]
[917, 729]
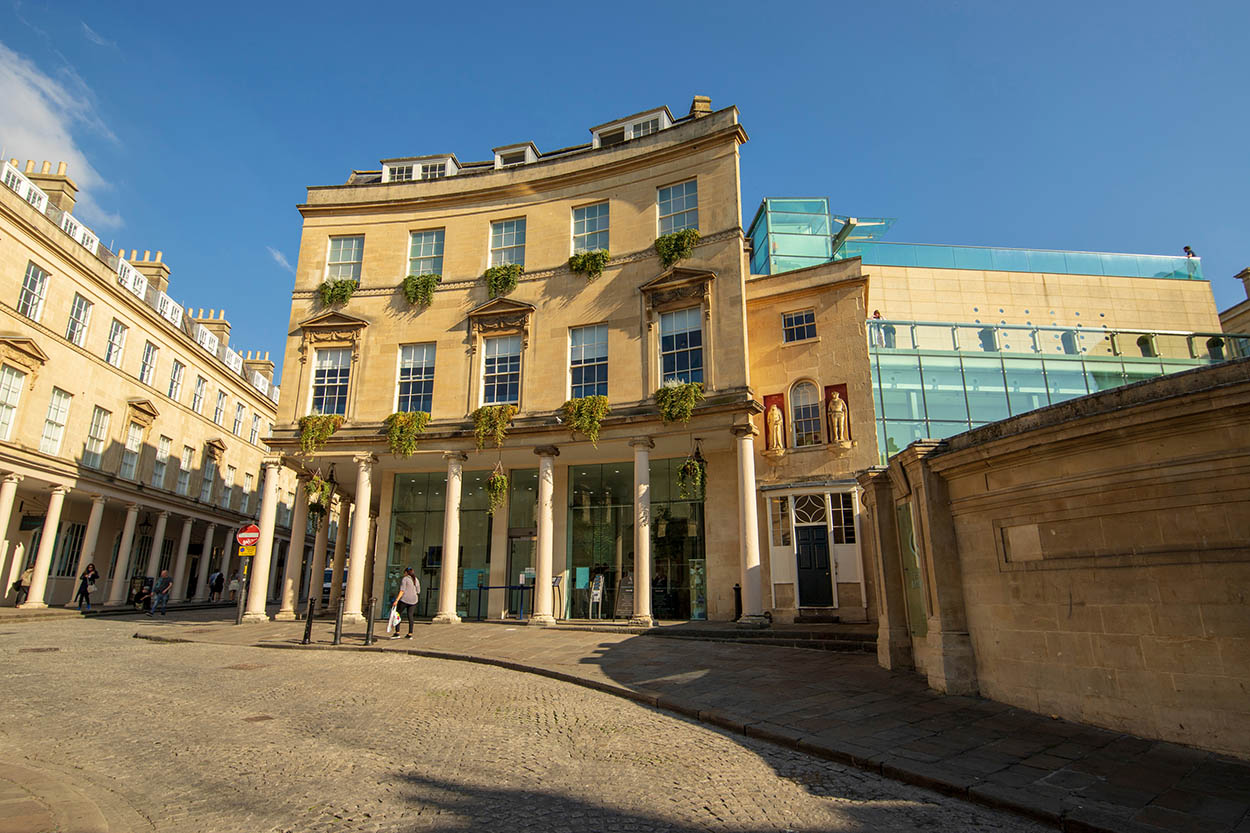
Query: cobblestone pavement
[218, 737]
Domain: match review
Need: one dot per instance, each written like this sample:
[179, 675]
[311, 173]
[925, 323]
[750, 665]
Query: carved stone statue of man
[776, 438]
[837, 418]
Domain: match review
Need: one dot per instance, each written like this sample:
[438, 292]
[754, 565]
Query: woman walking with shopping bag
[405, 603]
[86, 586]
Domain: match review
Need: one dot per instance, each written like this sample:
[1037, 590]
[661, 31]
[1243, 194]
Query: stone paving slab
[847, 709]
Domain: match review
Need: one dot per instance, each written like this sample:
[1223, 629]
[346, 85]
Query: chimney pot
[30, 166]
[147, 255]
[61, 168]
[134, 255]
[46, 168]
[212, 313]
[158, 256]
[13, 161]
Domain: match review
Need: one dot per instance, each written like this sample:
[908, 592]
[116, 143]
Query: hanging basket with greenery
[419, 289]
[497, 488]
[500, 280]
[402, 430]
[589, 264]
[586, 414]
[676, 246]
[490, 422]
[315, 430]
[676, 401]
[336, 292]
[692, 477]
[318, 491]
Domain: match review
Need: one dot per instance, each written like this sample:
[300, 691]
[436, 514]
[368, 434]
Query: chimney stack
[700, 106]
[254, 362]
[216, 324]
[155, 271]
[61, 190]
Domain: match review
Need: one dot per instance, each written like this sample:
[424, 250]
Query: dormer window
[437, 170]
[399, 173]
[413, 168]
[631, 127]
[510, 155]
[612, 137]
[644, 128]
[517, 158]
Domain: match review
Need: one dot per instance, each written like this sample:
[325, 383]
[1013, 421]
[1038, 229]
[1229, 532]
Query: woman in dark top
[86, 584]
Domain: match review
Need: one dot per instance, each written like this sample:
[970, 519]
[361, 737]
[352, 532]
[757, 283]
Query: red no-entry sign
[248, 535]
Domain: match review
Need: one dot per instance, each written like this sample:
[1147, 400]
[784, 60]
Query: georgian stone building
[131, 434]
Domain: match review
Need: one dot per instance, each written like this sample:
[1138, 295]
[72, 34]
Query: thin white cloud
[39, 119]
[280, 259]
[94, 36]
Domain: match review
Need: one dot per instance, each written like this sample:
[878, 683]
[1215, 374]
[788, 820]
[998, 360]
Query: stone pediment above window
[330, 329]
[141, 411]
[22, 353]
[215, 448]
[678, 287]
[501, 316]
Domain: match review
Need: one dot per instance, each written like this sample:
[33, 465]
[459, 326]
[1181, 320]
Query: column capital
[58, 489]
[547, 451]
[642, 442]
[746, 430]
[12, 478]
[97, 498]
[270, 461]
[460, 456]
[162, 514]
[367, 459]
[133, 507]
[188, 521]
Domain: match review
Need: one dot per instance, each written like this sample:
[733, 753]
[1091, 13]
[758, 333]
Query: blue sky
[1089, 126]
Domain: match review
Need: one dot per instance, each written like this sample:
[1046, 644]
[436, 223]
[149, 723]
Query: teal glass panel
[1010, 260]
[1044, 261]
[876, 384]
[1016, 340]
[969, 257]
[789, 264]
[663, 478]
[1137, 370]
[473, 495]
[523, 498]
[881, 445]
[784, 223]
[1104, 375]
[1026, 385]
[1082, 263]
[802, 206]
[801, 245]
[901, 433]
[943, 388]
[1124, 265]
[986, 389]
[939, 430]
[901, 393]
[938, 257]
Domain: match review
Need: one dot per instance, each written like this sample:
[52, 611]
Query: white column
[8, 492]
[353, 605]
[449, 577]
[542, 557]
[206, 556]
[121, 571]
[294, 554]
[316, 575]
[47, 543]
[89, 540]
[642, 531]
[748, 513]
[180, 562]
[340, 550]
[158, 542]
[258, 591]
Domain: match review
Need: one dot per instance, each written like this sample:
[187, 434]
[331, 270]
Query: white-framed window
[679, 207]
[116, 344]
[227, 488]
[331, 377]
[161, 466]
[183, 485]
[147, 365]
[590, 228]
[501, 377]
[97, 436]
[68, 546]
[346, 255]
[11, 381]
[254, 435]
[425, 252]
[399, 173]
[54, 424]
[588, 360]
[507, 242]
[798, 326]
[433, 170]
[512, 157]
[842, 506]
[34, 290]
[197, 396]
[780, 517]
[239, 410]
[176, 371]
[130, 453]
[219, 410]
[246, 506]
[416, 378]
[805, 414]
[644, 128]
[207, 481]
[681, 346]
[79, 317]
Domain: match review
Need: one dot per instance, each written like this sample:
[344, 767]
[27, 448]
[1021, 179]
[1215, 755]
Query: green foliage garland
[589, 264]
[318, 491]
[491, 422]
[419, 289]
[496, 488]
[402, 430]
[500, 280]
[315, 430]
[584, 415]
[336, 292]
[677, 400]
[676, 246]
[692, 477]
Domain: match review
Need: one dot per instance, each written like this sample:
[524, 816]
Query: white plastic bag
[392, 621]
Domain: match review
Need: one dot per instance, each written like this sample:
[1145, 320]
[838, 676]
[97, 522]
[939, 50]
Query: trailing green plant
[500, 280]
[676, 246]
[315, 430]
[585, 414]
[402, 430]
[676, 400]
[496, 488]
[589, 264]
[490, 422]
[692, 477]
[336, 292]
[419, 289]
[318, 491]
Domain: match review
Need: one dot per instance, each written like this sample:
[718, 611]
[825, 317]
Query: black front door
[815, 577]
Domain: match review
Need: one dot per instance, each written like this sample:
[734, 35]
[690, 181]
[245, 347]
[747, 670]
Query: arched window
[1068, 340]
[1146, 344]
[1215, 349]
[805, 414]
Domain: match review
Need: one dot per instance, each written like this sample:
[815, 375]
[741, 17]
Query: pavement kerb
[904, 770]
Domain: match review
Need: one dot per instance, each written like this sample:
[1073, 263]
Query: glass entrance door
[521, 571]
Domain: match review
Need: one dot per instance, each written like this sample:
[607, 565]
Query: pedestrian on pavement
[406, 599]
[86, 586]
[143, 597]
[215, 582]
[23, 584]
[234, 586]
[160, 592]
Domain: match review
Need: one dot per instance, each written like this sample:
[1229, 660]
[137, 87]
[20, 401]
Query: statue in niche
[776, 435]
[837, 418]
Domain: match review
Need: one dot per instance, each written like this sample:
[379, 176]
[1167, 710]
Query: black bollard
[338, 625]
[308, 617]
[369, 640]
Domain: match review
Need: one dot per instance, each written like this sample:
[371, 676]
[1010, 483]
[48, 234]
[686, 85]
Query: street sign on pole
[248, 536]
[247, 551]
